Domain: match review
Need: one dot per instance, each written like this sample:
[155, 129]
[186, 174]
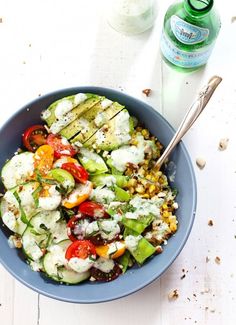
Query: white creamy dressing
[128, 154]
[102, 195]
[48, 218]
[65, 120]
[108, 181]
[131, 242]
[100, 119]
[84, 124]
[109, 229]
[11, 242]
[104, 264]
[59, 162]
[64, 106]
[89, 155]
[100, 137]
[105, 103]
[27, 200]
[57, 258]
[36, 265]
[31, 248]
[9, 220]
[80, 228]
[80, 265]
[122, 127]
[114, 247]
[80, 190]
[92, 227]
[19, 168]
[143, 207]
[46, 114]
[161, 231]
[79, 98]
[52, 201]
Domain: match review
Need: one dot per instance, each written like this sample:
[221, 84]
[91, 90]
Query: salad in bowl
[82, 197]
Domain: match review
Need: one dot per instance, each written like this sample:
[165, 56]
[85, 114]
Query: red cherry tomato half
[93, 209]
[61, 146]
[34, 137]
[103, 276]
[81, 249]
[74, 231]
[77, 171]
[70, 227]
[97, 240]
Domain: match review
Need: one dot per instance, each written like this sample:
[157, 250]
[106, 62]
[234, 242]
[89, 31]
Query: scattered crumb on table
[201, 162]
[173, 294]
[223, 144]
[210, 223]
[217, 260]
[147, 91]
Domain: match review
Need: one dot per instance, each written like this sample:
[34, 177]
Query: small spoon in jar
[191, 116]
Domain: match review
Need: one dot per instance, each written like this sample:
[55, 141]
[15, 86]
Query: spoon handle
[194, 111]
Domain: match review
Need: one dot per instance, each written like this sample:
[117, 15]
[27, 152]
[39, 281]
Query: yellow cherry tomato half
[112, 250]
[43, 159]
[80, 194]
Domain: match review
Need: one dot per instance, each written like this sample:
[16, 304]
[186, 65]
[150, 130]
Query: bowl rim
[97, 89]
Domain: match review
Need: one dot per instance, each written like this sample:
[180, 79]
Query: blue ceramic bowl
[137, 277]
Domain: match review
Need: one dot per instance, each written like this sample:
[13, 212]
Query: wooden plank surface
[37, 57]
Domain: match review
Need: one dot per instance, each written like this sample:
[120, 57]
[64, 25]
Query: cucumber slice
[17, 170]
[64, 178]
[45, 228]
[54, 265]
[18, 205]
[92, 162]
[101, 119]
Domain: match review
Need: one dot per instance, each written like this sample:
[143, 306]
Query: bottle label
[187, 33]
[182, 58]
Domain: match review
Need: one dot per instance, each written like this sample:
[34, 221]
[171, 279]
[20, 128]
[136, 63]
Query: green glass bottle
[189, 33]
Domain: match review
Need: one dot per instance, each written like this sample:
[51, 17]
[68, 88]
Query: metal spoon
[194, 111]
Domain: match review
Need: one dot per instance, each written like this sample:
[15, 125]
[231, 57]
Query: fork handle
[192, 114]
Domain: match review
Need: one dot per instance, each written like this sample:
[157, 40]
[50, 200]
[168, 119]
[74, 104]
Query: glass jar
[131, 16]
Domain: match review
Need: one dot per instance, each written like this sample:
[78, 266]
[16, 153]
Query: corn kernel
[152, 188]
[132, 182]
[165, 206]
[140, 189]
[165, 214]
[145, 196]
[173, 227]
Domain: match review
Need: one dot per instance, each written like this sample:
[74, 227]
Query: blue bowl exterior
[136, 278]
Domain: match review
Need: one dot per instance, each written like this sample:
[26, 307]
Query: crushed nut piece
[173, 295]
[210, 223]
[217, 260]
[201, 163]
[233, 19]
[223, 144]
[147, 91]
[159, 249]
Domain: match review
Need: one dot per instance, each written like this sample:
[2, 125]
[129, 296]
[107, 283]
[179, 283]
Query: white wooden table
[47, 45]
